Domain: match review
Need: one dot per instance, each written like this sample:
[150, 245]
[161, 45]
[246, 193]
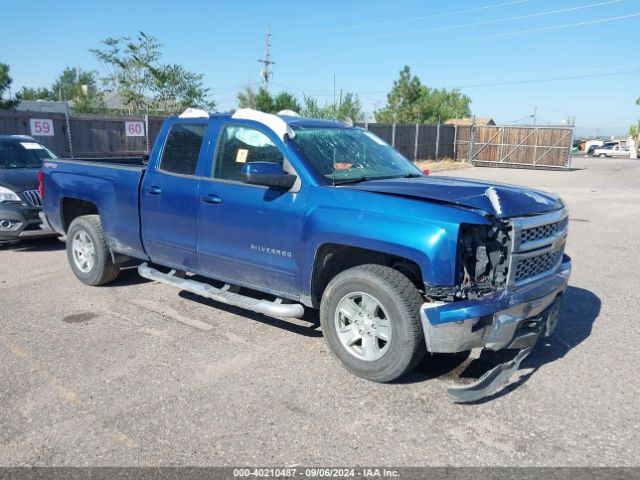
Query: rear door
[169, 198]
[247, 233]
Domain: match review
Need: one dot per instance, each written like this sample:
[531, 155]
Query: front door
[247, 233]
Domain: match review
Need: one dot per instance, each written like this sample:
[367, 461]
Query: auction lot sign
[134, 129]
[41, 127]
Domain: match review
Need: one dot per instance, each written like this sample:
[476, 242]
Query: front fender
[422, 232]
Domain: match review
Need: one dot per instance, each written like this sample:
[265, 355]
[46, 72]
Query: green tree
[129, 61]
[349, 108]
[79, 88]
[71, 83]
[247, 98]
[143, 82]
[176, 89]
[5, 85]
[286, 101]
[39, 93]
[264, 101]
[409, 101]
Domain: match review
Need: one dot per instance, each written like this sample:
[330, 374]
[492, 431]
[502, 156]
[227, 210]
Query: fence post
[393, 135]
[415, 146]
[146, 131]
[68, 122]
[438, 140]
[366, 125]
[472, 134]
[455, 142]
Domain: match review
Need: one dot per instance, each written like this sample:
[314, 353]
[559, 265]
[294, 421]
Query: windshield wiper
[382, 177]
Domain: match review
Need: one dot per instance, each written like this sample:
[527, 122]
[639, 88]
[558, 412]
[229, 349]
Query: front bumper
[495, 321]
[18, 221]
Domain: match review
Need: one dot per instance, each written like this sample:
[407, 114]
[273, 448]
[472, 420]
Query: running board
[226, 294]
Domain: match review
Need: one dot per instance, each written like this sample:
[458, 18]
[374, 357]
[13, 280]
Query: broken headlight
[483, 258]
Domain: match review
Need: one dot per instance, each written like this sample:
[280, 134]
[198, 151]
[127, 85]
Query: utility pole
[265, 73]
[535, 115]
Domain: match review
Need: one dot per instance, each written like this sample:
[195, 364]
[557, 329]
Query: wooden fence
[522, 147]
[503, 146]
[84, 135]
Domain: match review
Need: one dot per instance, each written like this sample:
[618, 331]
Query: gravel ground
[139, 373]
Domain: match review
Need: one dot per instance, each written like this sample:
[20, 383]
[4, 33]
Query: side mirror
[267, 174]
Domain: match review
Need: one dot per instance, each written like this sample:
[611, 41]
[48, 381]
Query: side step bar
[225, 294]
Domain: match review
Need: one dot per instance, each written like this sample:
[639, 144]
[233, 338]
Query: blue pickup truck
[284, 213]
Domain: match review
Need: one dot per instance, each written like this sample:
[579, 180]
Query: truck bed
[111, 185]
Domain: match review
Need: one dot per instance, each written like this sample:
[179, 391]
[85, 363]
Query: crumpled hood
[19, 179]
[502, 201]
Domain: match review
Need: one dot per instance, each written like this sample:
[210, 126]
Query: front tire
[87, 252]
[370, 318]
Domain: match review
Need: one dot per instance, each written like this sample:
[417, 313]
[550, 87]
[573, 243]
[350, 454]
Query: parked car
[592, 148]
[20, 203]
[316, 214]
[612, 151]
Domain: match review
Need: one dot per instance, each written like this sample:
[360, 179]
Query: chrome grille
[534, 266]
[538, 233]
[537, 248]
[33, 197]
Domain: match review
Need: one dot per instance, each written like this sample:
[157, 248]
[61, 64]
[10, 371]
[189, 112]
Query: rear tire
[363, 306]
[87, 252]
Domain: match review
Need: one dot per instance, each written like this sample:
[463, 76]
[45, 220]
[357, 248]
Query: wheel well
[73, 208]
[331, 259]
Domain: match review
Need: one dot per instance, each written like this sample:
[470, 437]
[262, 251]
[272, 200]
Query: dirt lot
[140, 374]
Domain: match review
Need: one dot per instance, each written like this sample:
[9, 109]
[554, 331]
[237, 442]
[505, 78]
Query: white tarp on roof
[274, 122]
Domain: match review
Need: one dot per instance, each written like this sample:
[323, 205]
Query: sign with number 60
[41, 127]
[134, 129]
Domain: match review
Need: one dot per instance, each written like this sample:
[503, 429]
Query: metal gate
[524, 147]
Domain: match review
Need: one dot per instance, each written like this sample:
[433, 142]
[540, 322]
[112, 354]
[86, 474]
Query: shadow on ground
[579, 310]
[310, 317]
[45, 244]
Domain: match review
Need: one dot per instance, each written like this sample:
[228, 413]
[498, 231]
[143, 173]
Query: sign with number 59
[134, 129]
[41, 127]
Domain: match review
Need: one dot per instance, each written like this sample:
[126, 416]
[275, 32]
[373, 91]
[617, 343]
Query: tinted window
[27, 154]
[182, 149]
[239, 145]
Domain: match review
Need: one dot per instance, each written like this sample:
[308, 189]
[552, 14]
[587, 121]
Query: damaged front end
[482, 262]
[511, 276]
[484, 255]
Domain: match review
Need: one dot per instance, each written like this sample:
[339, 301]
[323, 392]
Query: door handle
[211, 198]
[153, 190]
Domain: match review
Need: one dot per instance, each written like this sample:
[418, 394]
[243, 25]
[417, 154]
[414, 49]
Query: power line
[548, 79]
[504, 34]
[414, 19]
[370, 9]
[489, 22]
[583, 114]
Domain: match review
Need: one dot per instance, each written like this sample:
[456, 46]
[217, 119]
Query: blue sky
[570, 57]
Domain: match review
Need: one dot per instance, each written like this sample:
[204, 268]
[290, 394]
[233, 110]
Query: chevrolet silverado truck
[277, 213]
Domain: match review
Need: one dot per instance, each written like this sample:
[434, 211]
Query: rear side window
[182, 149]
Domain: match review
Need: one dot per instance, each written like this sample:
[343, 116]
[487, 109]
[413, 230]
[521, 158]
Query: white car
[615, 151]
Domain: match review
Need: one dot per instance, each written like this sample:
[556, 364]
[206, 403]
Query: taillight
[41, 183]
